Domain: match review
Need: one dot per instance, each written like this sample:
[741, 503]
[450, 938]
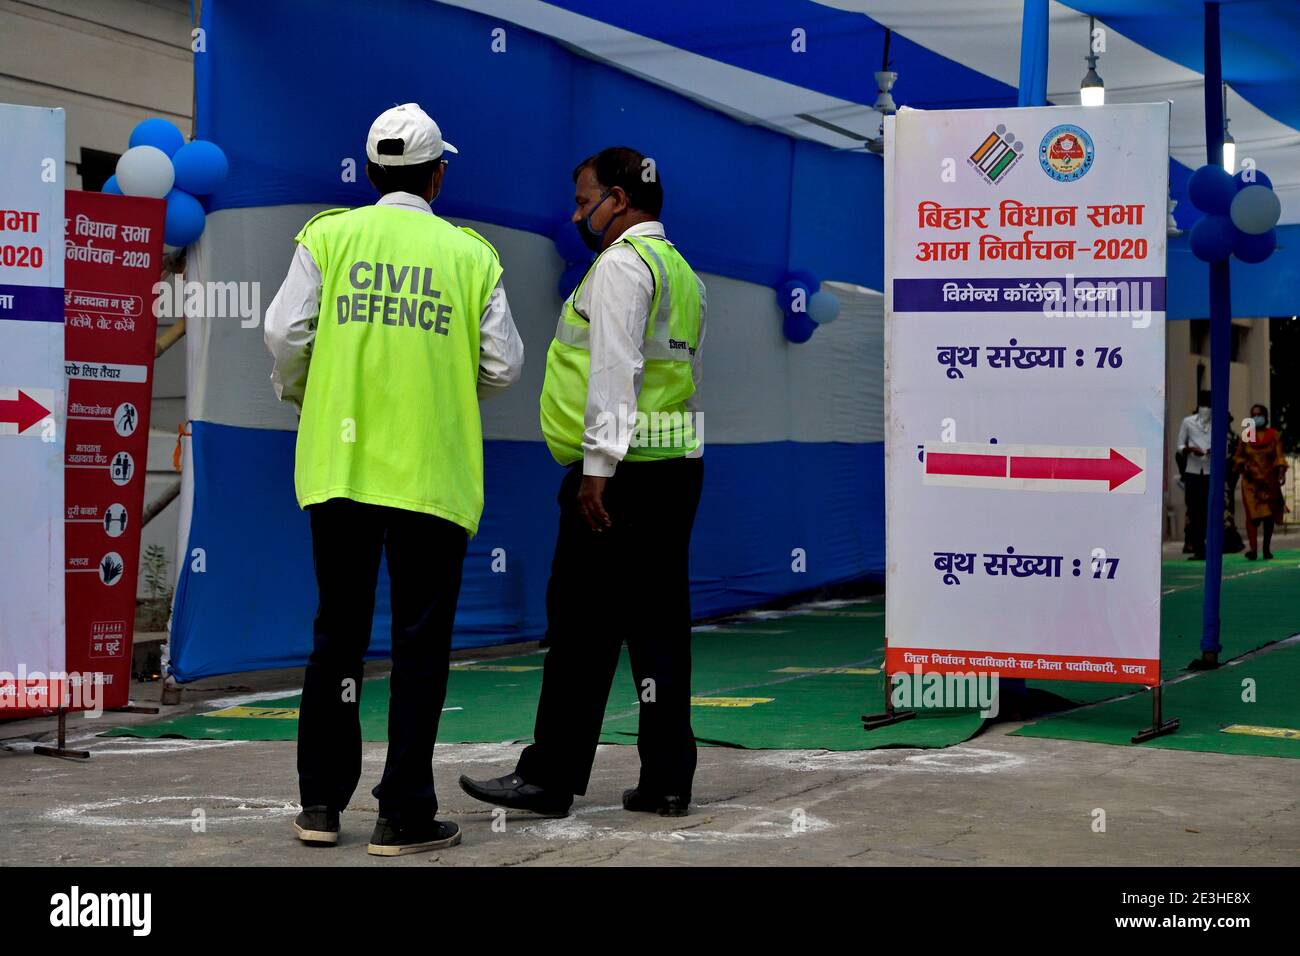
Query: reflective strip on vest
[656, 345]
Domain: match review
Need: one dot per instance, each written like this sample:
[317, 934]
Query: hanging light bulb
[885, 104]
[1092, 91]
[1229, 144]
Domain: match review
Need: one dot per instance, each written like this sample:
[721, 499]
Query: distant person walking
[1261, 466]
[1194, 442]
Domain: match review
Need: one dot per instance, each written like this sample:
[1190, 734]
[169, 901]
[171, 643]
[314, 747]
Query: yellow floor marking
[827, 670]
[278, 713]
[729, 701]
[1283, 733]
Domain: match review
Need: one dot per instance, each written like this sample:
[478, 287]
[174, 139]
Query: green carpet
[796, 680]
[788, 680]
[1205, 705]
[1259, 606]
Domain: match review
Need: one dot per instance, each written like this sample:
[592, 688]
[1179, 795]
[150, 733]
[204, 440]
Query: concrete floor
[994, 800]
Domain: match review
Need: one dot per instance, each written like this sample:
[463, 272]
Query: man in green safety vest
[389, 327]
[619, 409]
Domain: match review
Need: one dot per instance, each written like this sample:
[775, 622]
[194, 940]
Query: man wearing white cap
[389, 327]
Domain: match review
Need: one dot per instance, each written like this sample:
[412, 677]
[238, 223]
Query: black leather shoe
[665, 806]
[318, 826]
[391, 839]
[512, 791]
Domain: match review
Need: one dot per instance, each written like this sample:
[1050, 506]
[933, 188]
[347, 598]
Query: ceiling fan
[884, 105]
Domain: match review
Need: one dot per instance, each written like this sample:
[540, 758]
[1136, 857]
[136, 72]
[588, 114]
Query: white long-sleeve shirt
[291, 325]
[615, 300]
[1194, 431]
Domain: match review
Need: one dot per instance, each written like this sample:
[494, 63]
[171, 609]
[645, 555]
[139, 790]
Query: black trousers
[628, 583]
[1196, 491]
[425, 557]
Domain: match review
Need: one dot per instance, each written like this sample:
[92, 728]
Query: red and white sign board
[1025, 369]
[114, 255]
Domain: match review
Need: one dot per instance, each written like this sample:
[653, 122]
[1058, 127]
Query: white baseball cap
[404, 136]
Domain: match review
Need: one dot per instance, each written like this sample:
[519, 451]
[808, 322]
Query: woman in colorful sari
[1261, 466]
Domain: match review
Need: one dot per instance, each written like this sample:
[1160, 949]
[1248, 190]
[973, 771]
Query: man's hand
[1196, 449]
[591, 502]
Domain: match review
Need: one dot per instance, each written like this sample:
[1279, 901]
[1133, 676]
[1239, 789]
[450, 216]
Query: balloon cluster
[805, 309]
[160, 164]
[1240, 213]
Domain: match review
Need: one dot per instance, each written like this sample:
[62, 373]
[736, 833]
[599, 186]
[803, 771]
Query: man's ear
[436, 186]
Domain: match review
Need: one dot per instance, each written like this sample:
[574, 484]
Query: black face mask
[592, 239]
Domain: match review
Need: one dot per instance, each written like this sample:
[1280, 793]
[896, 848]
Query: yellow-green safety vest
[390, 415]
[663, 427]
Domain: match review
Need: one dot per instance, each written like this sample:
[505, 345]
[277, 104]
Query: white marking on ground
[768, 824]
[952, 760]
[477, 753]
[128, 746]
[254, 809]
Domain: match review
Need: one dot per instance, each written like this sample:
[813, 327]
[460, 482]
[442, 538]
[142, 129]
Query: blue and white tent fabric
[719, 95]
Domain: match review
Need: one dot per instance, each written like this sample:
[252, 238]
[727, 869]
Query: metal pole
[1220, 351]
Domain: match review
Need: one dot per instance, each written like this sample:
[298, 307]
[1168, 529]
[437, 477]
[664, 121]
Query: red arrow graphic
[982, 466]
[24, 410]
[1116, 469]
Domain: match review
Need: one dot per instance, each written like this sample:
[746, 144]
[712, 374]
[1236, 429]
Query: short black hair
[1203, 397]
[631, 171]
[402, 179]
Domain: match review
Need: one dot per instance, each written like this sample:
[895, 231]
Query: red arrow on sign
[24, 411]
[980, 466]
[1115, 470]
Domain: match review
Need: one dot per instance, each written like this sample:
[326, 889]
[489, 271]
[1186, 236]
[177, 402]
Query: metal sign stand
[889, 715]
[1159, 727]
[62, 749]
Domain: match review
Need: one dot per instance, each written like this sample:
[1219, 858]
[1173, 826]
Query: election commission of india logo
[1066, 153]
[994, 157]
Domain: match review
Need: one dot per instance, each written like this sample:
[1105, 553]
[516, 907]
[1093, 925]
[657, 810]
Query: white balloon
[145, 171]
[1256, 209]
[823, 307]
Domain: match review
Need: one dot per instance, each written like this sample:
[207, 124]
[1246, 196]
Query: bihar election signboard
[1025, 361]
[31, 403]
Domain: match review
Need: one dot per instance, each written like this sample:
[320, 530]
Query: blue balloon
[1211, 189]
[159, 133]
[1257, 178]
[185, 219]
[111, 187]
[789, 294]
[798, 328]
[1212, 238]
[1256, 247]
[823, 307]
[201, 167]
